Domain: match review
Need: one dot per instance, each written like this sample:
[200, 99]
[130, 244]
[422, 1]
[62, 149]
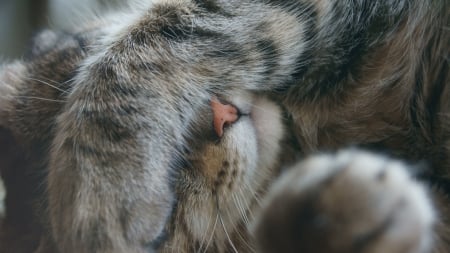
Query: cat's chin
[256, 139]
[260, 120]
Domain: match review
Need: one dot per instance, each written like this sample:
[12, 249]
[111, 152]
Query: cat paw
[349, 202]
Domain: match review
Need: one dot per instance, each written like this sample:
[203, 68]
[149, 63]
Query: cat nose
[224, 115]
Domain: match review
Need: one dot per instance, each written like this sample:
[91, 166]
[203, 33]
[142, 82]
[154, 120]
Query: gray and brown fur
[104, 111]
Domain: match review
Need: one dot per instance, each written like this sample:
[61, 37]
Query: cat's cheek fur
[270, 130]
[349, 202]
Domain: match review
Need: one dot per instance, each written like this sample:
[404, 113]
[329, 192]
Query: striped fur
[105, 111]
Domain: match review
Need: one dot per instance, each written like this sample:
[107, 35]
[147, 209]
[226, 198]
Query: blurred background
[20, 19]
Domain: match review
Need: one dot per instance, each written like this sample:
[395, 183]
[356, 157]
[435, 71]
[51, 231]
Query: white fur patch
[10, 77]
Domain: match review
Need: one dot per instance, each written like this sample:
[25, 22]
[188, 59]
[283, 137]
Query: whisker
[259, 196]
[46, 83]
[255, 196]
[212, 233]
[240, 237]
[239, 206]
[41, 81]
[39, 98]
[253, 200]
[223, 226]
[206, 233]
[245, 241]
[247, 222]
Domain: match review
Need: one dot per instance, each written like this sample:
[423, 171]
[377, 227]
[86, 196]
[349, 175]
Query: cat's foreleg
[110, 169]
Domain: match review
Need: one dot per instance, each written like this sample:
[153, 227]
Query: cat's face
[223, 177]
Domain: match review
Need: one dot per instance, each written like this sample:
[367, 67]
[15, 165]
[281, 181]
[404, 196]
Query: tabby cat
[146, 130]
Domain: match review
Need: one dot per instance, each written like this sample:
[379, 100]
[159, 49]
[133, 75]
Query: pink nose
[224, 115]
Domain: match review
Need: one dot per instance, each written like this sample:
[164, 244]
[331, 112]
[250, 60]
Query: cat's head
[225, 173]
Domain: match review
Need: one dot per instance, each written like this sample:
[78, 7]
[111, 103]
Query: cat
[105, 112]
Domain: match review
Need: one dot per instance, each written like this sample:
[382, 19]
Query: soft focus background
[21, 19]
[18, 18]
[2, 197]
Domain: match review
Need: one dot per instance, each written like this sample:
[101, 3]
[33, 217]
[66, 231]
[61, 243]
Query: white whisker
[46, 83]
[206, 233]
[39, 98]
[212, 233]
[239, 206]
[245, 241]
[224, 228]
[239, 198]
[240, 236]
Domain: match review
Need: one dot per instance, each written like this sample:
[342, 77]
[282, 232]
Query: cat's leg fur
[349, 202]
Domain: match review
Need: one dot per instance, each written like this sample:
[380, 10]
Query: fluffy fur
[106, 114]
